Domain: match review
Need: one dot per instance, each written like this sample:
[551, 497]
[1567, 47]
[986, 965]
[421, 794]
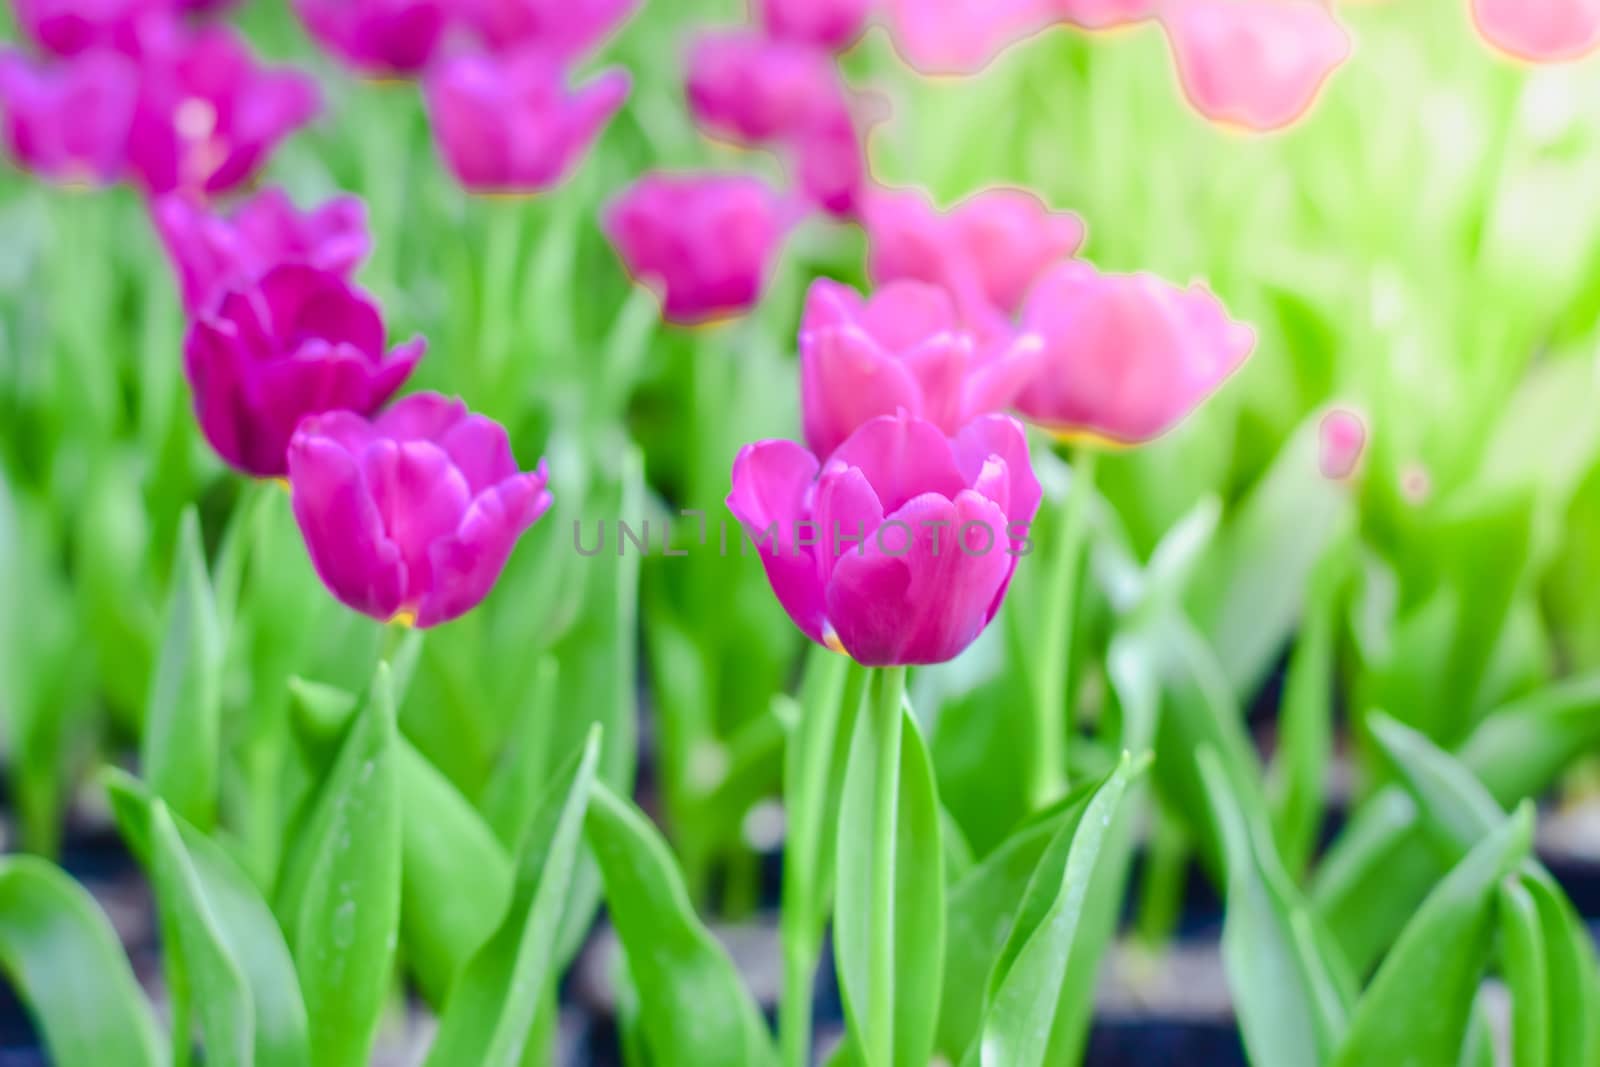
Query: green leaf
[515, 784]
[1574, 976]
[340, 897]
[1292, 1007]
[455, 878]
[1418, 1007]
[64, 960]
[227, 1016]
[248, 931]
[181, 744]
[1526, 973]
[1029, 986]
[916, 872]
[491, 1011]
[693, 1008]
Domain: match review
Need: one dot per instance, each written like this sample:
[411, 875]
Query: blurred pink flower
[898, 548]
[1542, 31]
[70, 27]
[509, 124]
[744, 87]
[380, 37]
[1254, 63]
[705, 242]
[1103, 14]
[963, 36]
[213, 253]
[208, 114]
[300, 342]
[411, 517]
[830, 24]
[1341, 438]
[69, 121]
[987, 250]
[565, 30]
[1126, 356]
[902, 349]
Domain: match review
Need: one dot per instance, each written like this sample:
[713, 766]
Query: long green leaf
[916, 875]
[1026, 1001]
[340, 898]
[693, 1008]
[1574, 975]
[181, 743]
[242, 918]
[64, 960]
[491, 1011]
[1527, 974]
[1418, 1007]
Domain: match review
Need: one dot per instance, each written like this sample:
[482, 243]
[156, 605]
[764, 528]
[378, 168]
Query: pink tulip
[903, 349]
[565, 30]
[830, 24]
[213, 253]
[70, 121]
[392, 38]
[301, 342]
[412, 516]
[987, 249]
[208, 114]
[963, 36]
[1541, 31]
[509, 124]
[1126, 356]
[1341, 437]
[898, 548]
[830, 163]
[747, 88]
[1254, 63]
[71, 27]
[1103, 14]
[706, 242]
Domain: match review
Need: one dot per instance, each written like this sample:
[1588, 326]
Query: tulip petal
[422, 498]
[846, 379]
[901, 458]
[772, 481]
[342, 528]
[846, 512]
[466, 564]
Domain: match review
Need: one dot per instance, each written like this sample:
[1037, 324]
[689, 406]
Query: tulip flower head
[411, 516]
[899, 546]
[747, 88]
[69, 122]
[208, 115]
[830, 163]
[72, 27]
[987, 250]
[1341, 438]
[300, 342]
[1540, 31]
[214, 253]
[1257, 64]
[902, 349]
[509, 124]
[705, 242]
[564, 30]
[1126, 356]
[963, 36]
[388, 38]
[830, 24]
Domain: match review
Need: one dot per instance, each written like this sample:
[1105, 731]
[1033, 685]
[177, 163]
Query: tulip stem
[889, 688]
[1052, 706]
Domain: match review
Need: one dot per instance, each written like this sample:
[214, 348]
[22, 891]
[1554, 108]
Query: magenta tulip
[69, 121]
[71, 27]
[830, 163]
[830, 24]
[209, 115]
[747, 88]
[963, 36]
[1258, 64]
[1541, 31]
[213, 253]
[564, 30]
[300, 342]
[987, 250]
[1126, 356]
[411, 517]
[387, 38]
[509, 124]
[903, 349]
[705, 242]
[898, 548]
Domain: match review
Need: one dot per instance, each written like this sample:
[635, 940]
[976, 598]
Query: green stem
[888, 695]
[1052, 712]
